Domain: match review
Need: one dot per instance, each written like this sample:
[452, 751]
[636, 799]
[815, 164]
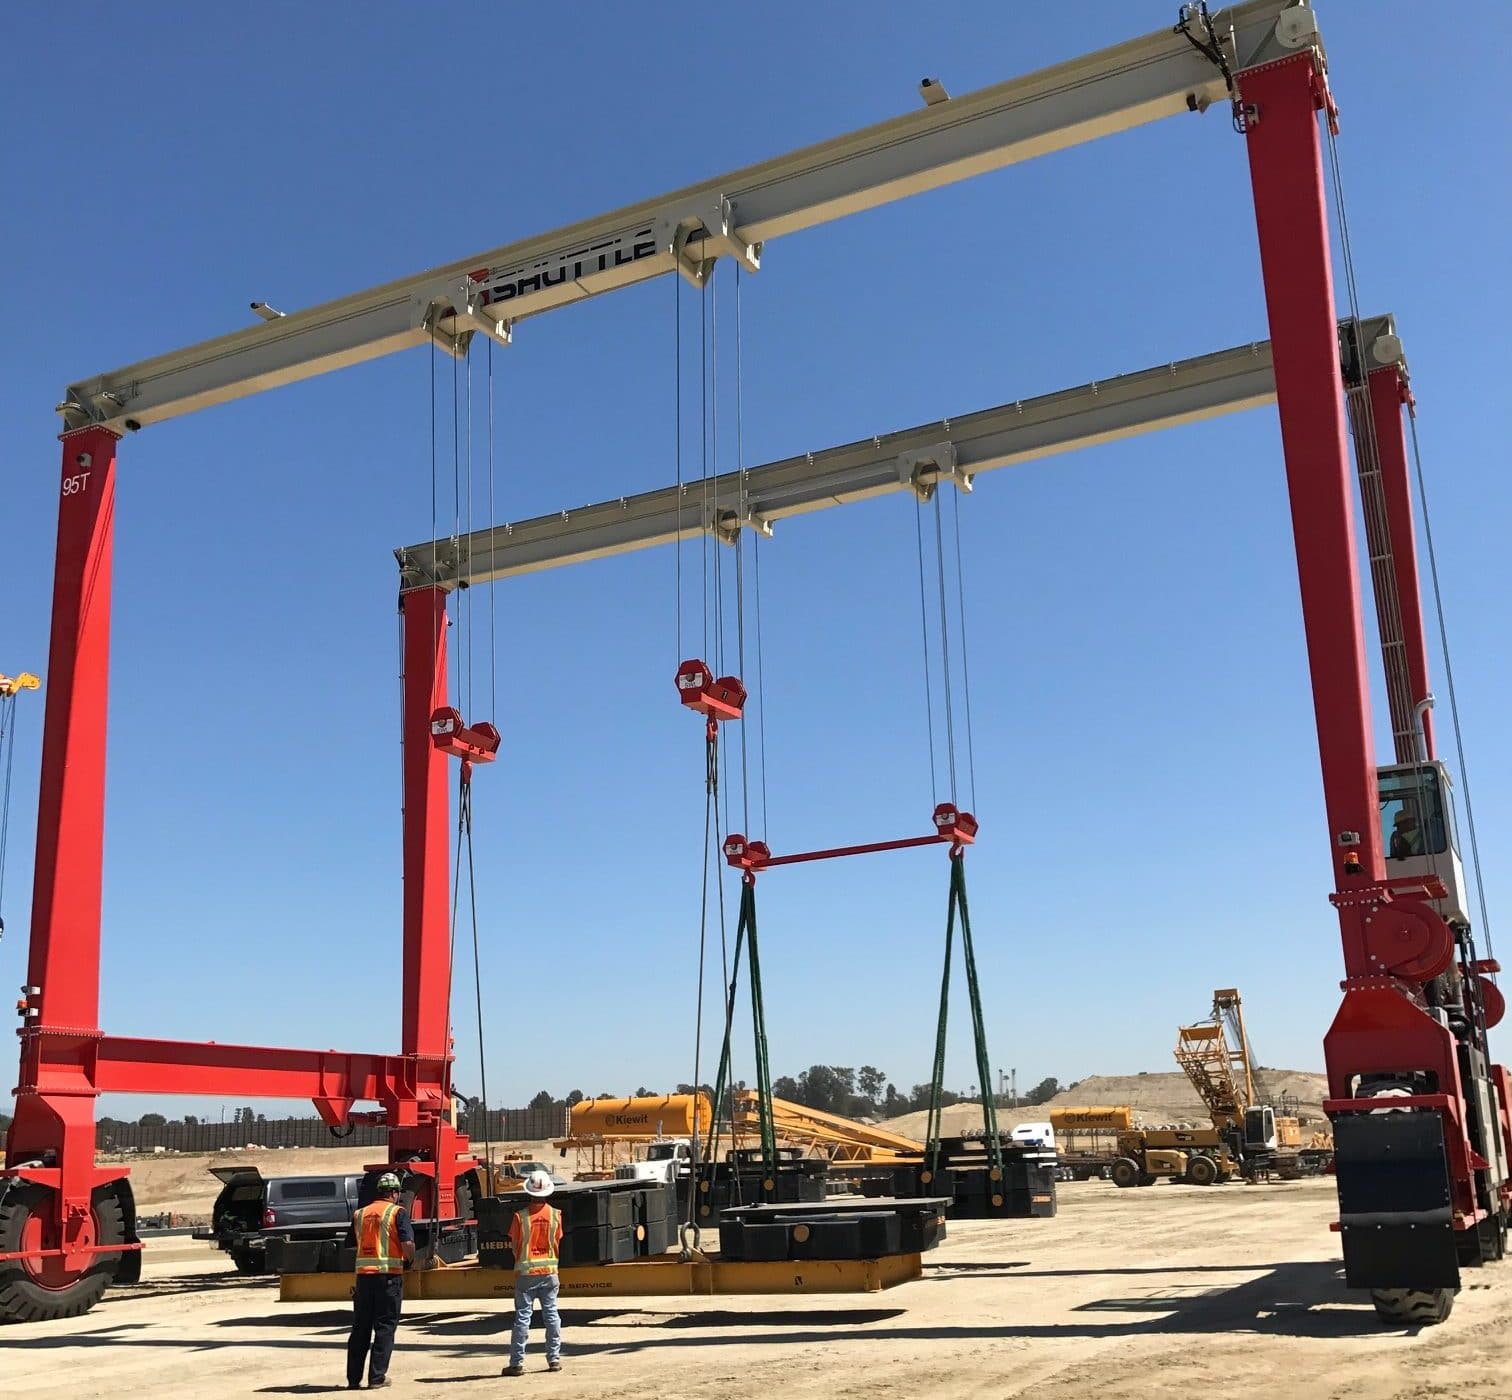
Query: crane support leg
[1411, 1180]
[420, 1128]
[54, 1203]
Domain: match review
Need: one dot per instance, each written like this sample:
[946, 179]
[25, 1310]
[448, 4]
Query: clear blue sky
[1146, 764]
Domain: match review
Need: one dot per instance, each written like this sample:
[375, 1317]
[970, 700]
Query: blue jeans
[529, 1288]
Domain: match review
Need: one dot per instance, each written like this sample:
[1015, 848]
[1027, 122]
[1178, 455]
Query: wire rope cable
[934, 787]
[965, 651]
[493, 521]
[1454, 714]
[8, 712]
[947, 681]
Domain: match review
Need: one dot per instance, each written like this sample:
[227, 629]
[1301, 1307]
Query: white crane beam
[1113, 90]
[952, 451]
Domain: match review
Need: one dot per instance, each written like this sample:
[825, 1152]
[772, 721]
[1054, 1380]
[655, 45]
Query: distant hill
[1165, 1097]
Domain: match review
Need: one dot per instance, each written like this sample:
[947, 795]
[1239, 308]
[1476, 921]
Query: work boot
[512, 1370]
[380, 1384]
[553, 1365]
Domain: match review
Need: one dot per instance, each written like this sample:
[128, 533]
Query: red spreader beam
[952, 827]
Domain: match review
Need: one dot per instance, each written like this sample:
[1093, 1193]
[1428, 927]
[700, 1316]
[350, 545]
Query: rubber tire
[1125, 1172]
[1202, 1171]
[24, 1300]
[250, 1261]
[1413, 1307]
[1146, 1179]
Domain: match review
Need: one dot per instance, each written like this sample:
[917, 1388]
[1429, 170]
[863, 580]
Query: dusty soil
[1127, 1294]
[1156, 1098]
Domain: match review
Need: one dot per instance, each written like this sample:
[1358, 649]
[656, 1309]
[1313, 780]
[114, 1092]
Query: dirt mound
[1155, 1098]
[1170, 1097]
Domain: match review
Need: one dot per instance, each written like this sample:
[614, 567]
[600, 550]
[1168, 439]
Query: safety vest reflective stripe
[378, 1248]
[528, 1260]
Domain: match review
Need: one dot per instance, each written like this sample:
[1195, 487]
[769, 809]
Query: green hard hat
[389, 1182]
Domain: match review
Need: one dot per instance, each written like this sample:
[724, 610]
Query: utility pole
[1013, 1087]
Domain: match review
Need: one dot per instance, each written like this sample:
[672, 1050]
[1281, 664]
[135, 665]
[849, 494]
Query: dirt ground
[1127, 1294]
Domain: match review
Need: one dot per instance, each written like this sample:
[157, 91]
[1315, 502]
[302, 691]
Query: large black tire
[32, 1292]
[250, 1261]
[1202, 1170]
[1126, 1172]
[1413, 1307]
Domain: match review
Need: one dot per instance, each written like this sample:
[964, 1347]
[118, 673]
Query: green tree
[152, 1120]
[575, 1097]
[542, 1101]
[1043, 1092]
[869, 1083]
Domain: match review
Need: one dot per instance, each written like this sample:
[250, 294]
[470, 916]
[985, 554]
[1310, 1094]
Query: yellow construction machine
[1244, 1137]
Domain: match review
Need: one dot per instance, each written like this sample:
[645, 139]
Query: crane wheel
[1413, 1307]
[1125, 1172]
[1202, 1171]
[39, 1290]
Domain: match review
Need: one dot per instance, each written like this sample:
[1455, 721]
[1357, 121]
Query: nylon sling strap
[746, 941]
[957, 904]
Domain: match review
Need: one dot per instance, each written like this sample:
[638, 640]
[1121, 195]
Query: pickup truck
[664, 1159]
[252, 1209]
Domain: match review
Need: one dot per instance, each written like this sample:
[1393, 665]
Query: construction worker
[535, 1234]
[1406, 835]
[385, 1244]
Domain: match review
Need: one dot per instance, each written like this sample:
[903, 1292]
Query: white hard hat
[538, 1183]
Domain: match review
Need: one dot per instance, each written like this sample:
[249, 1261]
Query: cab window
[1412, 814]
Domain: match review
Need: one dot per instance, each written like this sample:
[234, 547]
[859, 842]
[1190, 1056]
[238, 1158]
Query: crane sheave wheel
[38, 1290]
[1413, 1307]
[1202, 1171]
[1125, 1172]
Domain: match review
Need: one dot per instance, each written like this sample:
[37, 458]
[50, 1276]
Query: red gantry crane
[1420, 1112]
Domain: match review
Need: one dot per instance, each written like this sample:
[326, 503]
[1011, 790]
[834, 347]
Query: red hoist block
[954, 825]
[745, 855]
[717, 700]
[478, 744]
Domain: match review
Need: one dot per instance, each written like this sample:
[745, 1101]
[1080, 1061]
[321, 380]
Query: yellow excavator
[1245, 1137]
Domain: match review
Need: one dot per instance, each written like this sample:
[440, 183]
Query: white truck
[663, 1159]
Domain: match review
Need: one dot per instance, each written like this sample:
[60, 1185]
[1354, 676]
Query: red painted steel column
[1388, 392]
[55, 1094]
[1286, 171]
[427, 830]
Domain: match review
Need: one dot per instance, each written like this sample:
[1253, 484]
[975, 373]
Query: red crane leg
[1392, 944]
[419, 1123]
[1286, 172]
[54, 1116]
[1388, 392]
[427, 821]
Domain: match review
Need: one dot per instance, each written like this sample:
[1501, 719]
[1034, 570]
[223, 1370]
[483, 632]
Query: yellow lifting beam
[661, 1277]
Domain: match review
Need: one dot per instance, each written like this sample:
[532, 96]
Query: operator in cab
[1406, 835]
[385, 1246]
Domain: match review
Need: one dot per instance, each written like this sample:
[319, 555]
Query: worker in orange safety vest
[385, 1244]
[535, 1236]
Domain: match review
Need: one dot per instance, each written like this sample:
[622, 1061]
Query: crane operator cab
[1416, 802]
[1259, 1130]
